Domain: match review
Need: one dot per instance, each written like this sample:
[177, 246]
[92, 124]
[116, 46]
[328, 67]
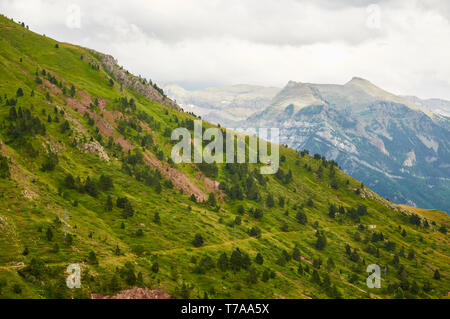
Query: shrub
[198, 240]
[92, 258]
[259, 259]
[255, 232]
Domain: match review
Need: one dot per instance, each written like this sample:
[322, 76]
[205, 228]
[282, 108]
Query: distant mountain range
[437, 106]
[227, 106]
[397, 145]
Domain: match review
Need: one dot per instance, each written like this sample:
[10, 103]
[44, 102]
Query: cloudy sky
[401, 45]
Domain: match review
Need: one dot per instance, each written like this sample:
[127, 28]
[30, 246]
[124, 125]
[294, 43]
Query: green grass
[24, 221]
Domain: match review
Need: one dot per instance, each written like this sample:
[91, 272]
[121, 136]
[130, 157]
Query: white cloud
[267, 42]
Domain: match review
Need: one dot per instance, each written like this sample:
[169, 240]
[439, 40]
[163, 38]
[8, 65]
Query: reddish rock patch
[135, 293]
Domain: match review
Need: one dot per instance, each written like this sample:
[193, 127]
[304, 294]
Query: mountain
[437, 106]
[227, 105]
[397, 147]
[87, 182]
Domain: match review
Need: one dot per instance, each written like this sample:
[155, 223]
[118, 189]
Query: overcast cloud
[401, 45]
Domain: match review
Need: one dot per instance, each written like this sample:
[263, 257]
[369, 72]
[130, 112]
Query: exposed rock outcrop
[136, 83]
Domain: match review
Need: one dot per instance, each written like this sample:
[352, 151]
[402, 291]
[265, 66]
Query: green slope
[49, 220]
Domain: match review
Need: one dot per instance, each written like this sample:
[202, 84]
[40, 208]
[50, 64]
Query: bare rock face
[94, 147]
[136, 83]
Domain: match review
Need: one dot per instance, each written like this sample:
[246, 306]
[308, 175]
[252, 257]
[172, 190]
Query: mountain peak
[359, 81]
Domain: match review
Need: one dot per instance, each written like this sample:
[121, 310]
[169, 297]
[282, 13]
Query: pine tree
[265, 275]
[105, 182]
[19, 92]
[49, 234]
[270, 201]
[72, 91]
[300, 269]
[235, 260]
[155, 267]
[259, 259]
[198, 240]
[296, 254]
[326, 283]
[301, 218]
[157, 219]
[211, 199]
[330, 263]
[396, 260]
[222, 263]
[12, 114]
[4, 167]
[92, 258]
[315, 277]
[252, 277]
[69, 181]
[321, 242]
[90, 187]
[109, 204]
[437, 275]
[332, 211]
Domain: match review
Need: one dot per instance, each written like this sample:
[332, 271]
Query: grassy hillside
[85, 178]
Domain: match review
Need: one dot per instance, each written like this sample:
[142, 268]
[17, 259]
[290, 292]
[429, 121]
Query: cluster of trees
[89, 186]
[283, 177]
[23, 123]
[209, 169]
[123, 125]
[255, 231]
[353, 213]
[133, 164]
[333, 210]
[256, 212]
[124, 104]
[239, 260]
[149, 120]
[244, 182]
[10, 102]
[284, 258]
[127, 208]
[52, 79]
[157, 88]
[146, 141]
[96, 67]
[325, 282]
[50, 162]
[352, 254]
